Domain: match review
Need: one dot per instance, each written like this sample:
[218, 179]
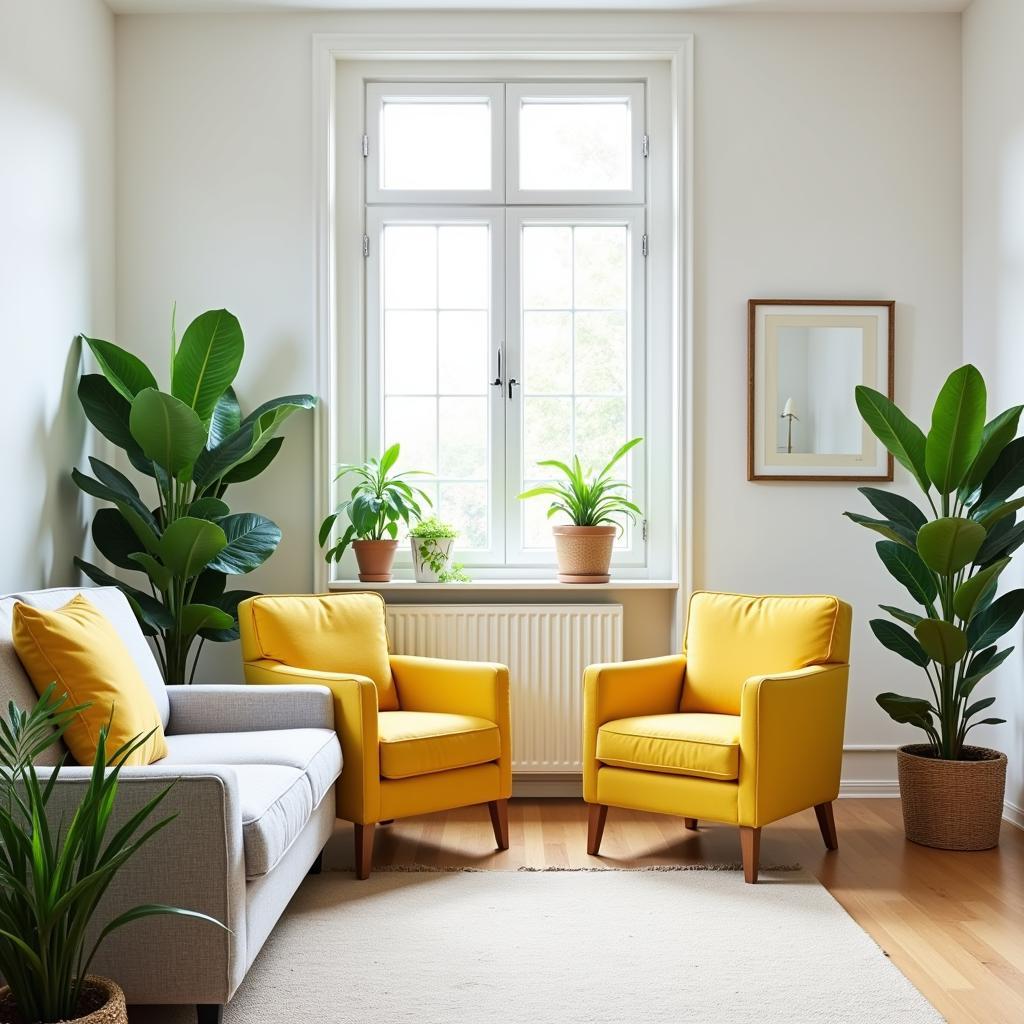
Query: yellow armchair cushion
[342, 633]
[703, 745]
[731, 637]
[420, 742]
[78, 648]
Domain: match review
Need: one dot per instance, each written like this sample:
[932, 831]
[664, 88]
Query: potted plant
[431, 542]
[949, 557]
[379, 501]
[189, 444]
[595, 508]
[52, 878]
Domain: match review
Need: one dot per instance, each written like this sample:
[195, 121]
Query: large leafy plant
[379, 501]
[52, 879]
[949, 556]
[191, 444]
[593, 501]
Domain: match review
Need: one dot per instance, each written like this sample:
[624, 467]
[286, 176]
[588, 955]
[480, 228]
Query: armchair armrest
[355, 721]
[476, 688]
[791, 741]
[196, 862]
[236, 708]
[653, 686]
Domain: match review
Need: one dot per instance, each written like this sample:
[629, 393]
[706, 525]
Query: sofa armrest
[196, 862]
[236, 708]
[791, 741]
[653, 686]
[355, 721]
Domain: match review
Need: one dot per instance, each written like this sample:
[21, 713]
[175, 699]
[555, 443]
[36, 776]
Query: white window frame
[493, 216]
[378, 93]
[631, 92]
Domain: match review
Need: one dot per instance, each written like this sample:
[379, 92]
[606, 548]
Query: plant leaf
[114, 538]
[910, 618]
[208, 508]
[256, 465]
[228, 603]
[907, 567]
[998, 433]
[251, 540]
[188, 545]
[891, 531]
[897, 639]
[196, 617]
[127, 373]
[895, 507]
[150, 612]
[1004, 538]
[947, 545]
[942, 641]
[997, 619]
[167, 430]
[207, 360]
[226, 419]
[958, 421]
[906, 710]
[990, 513]
[900, 435]
[982, 664]
[969, 593]
[1006, 476]
[158, 573]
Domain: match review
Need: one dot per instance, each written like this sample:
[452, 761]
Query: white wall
[56, 266]
[827, 165]
[993, 31]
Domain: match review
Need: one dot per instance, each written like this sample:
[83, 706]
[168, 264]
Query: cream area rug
[567, 947]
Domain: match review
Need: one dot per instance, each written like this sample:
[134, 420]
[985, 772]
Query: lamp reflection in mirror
[789, 413]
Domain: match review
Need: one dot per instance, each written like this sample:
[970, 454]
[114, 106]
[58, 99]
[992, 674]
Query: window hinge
[643, 245]
[366, 145]
[366, 245]
[643, 531]
[645, 146]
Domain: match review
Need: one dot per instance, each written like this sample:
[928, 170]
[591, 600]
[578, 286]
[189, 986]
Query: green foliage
[589, 502]
[949, 561]
[432, 528]
[379, 501]
[189, 443]
[433, 556]
[52, 879]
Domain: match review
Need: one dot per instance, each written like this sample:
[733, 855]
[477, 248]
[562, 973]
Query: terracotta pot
[102, 999]
[584, 553]
[441, 545]
[952, 805]
[375, 558]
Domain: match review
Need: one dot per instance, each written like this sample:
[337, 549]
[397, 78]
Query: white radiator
[546, 648]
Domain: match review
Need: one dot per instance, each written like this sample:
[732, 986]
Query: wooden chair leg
[499, 822]
[827, 824]
[390, 821]
[364, 850]
[691, 824]
[750, 842]
[595, 828]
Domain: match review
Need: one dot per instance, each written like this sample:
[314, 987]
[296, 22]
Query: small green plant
[53, 878]
[432, 556]
[589, 502]
[432, 528]
[948, 561]
[379, 501]
[455, 573]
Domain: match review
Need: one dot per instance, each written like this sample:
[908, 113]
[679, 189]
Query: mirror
[806, 359]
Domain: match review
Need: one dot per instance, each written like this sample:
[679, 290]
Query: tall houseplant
[190, 444]
[379, 501]
[949, 556]
[595, 506]
[53, 878]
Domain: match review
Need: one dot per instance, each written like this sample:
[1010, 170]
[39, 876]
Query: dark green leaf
[1006, 477]
[114, 538]
[251, 468]
[984, 662]
[157, 572]
[997, 619]
[189, 544]
[910, 618]
[978, 705]
[227, 418]
[167, 430]
[890, 530]
[209, 587]
[907, 568]
[900, 435]
[998, 433]
[126, 372]
[906, 710]
[898, 640]
[251, 540]
[969, 593]
[947, 545]
[958, 420]
[895, 507]
[942, 641]
[150, 612]
[195, 617]
[990, 513]
[1004, 538]
[228, 603]
[207, 360]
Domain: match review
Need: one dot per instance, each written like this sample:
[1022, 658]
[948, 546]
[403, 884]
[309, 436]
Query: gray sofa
[253, 770]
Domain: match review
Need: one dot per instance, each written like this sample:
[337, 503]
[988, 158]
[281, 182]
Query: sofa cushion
[707, 746]
[314, 752]
[276, 803]
[344, 633]
[731, 637]
[420, 742]
[78, 648]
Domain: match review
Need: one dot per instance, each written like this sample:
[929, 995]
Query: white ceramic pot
[442, 546]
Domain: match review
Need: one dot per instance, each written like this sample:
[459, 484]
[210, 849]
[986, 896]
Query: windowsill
[397, 586]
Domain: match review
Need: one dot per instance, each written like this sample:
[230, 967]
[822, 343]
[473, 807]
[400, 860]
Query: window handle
[512, 383]
[497, 382]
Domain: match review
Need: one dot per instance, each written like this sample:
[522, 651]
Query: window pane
[580, 144]
[547, 353]
[463, 266]
[547, 267]
[410, 352]
[410, 266]
[412, 423]
[600, 354]
[600, 262]
[548, 433]
[462, 438]
[465, 507]
[462, 353]
[436, 144]
[536, 525]
[600, 431]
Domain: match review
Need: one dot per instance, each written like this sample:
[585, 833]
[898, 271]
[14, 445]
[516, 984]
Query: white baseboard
[873, 788]
[1013, 814]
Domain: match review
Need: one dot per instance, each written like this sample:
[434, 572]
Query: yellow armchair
[744, 727]
[417, 734]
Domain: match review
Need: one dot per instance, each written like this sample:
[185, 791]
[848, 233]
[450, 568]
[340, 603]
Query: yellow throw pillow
[77, 647]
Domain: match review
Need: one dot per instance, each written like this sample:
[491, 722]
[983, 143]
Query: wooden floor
[952, 922]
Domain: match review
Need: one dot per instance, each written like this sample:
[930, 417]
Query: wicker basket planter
[102, 998]
[952, 805]
[584, 553]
